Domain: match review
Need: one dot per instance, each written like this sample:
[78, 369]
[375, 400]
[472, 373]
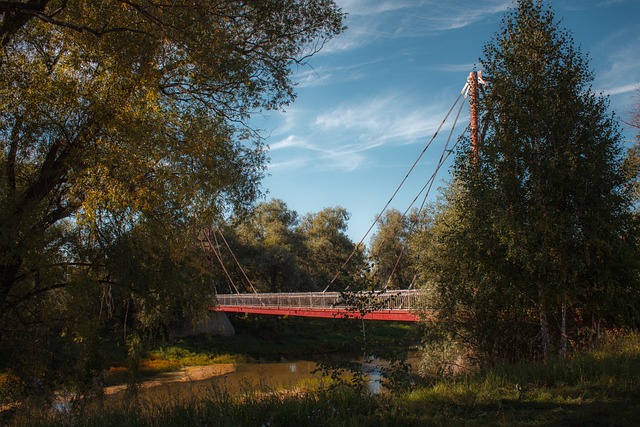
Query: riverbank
[600, 387]
[183, 375]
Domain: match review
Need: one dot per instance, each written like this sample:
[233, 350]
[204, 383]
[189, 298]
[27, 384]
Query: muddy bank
[186, 374]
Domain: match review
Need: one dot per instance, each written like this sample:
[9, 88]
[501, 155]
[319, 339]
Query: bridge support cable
[462, 93]
[219, 258]
[429, 184]
[474, 82]
[446, 152]
[237, 262]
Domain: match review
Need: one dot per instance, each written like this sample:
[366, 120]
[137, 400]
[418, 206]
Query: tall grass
[600, 387]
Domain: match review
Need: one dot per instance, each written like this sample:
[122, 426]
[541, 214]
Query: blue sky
[372, 98]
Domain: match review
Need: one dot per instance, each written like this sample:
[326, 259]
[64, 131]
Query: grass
[600, 387]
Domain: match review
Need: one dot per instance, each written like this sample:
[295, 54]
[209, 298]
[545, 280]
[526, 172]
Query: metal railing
[388, 300]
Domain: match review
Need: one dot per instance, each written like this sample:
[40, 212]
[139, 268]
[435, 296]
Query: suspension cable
[237, 262]
[443, 159]
[377, 219]
[208, 235]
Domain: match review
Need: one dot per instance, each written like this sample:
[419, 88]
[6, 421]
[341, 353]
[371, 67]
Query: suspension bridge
[401, 305]
[396, 305]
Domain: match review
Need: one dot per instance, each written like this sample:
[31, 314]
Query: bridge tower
[473, 110]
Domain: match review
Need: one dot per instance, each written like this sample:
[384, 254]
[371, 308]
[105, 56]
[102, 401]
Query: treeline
[275, 250]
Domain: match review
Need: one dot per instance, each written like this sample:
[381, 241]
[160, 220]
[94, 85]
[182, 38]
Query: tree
[121, 119]
[632, 159]
[537, 228]
[390, 251]
[327, 248]
[268, 247]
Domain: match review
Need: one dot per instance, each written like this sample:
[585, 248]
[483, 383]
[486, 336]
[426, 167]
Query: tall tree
[390, 249]
[327, 248]
[269, 247]
[119, 118]
[632, 159]
[539, 219]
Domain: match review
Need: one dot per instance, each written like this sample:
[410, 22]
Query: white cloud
[368, 21]
[312, 78]
[288, 142]
[367, 7]
[381, 120]
[451, 15]
[341, 159]
[317, 157]
[618, 90]
[323, 75]
[339, 138]
[573, 6]
[290, 164]
[622, 73]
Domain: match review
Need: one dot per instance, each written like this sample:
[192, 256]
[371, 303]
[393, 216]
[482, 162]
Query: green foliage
[124, 129]
[268, 248]
[535, 242]
[390, 251]
[281, 253]
[328, 248]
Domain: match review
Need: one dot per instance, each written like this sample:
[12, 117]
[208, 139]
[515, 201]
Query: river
[237, 379]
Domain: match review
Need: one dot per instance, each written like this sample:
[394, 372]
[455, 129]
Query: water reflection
[249, 378]
[374, 380]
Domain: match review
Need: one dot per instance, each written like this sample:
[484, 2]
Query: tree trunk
[544, 325]
[8, 274]
[563, 332]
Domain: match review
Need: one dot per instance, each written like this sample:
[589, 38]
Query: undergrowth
[600, 387]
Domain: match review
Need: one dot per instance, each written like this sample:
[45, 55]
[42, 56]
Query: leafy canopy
[124, 126]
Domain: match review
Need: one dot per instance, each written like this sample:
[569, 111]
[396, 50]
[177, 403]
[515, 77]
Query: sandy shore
[186, 374]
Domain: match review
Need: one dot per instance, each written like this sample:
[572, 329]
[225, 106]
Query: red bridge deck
[390, 306]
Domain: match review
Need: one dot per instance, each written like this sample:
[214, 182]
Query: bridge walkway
[398, 305]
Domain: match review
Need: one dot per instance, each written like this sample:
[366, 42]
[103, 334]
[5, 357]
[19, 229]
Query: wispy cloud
[313, 77]
[289, 164]
[572, 5]
[618, 90]
[451, 15]
[367, 7]
[383, 119]
[340, 138]
[622, 74]
[324, 75]
[288, 142]
[317, 156]
[369, 21]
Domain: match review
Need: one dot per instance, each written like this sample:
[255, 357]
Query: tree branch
[15, 15]
[13, 152]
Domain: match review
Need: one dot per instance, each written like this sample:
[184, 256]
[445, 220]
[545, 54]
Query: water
[250, 379]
